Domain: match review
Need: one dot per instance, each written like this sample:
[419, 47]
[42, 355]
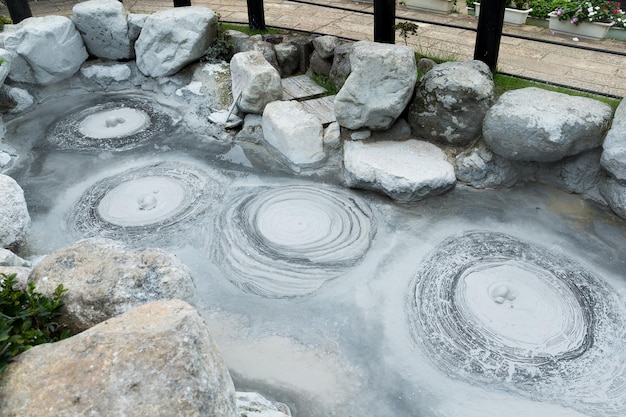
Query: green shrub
[27, 318]
[541, 8]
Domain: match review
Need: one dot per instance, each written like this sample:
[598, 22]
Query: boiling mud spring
[340, 302]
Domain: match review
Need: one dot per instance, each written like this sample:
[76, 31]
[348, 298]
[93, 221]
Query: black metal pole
[489, 32]
[384, 21]
[256, 15]
[182, 3]
[18, 10]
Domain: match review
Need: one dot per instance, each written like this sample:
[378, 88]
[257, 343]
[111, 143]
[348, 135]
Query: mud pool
[339, 302]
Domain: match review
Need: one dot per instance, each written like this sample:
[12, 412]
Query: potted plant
[515, 13]
[590, 19]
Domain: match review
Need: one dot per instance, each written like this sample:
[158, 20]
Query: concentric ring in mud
[119, 124]
[489, 308]
[157, 202]
[287, 241]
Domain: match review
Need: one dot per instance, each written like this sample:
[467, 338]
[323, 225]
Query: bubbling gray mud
[119, 124]
[155, 203]
[286, 241]
[487, 307]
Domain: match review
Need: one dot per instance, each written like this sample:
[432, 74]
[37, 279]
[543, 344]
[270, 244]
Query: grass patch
[246, 29]
[506, 83]
[326, 82]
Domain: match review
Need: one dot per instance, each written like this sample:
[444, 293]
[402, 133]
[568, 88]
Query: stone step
[301, 87]
[322, 107]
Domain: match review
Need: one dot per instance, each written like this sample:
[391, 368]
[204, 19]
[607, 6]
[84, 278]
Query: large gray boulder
[104, 27]
[105, 278]
[325, 45]
[578, 174]
[451, 101]
[404, 170]
[157, 360]
[293, 135]
[379, 87]
[47, 50]
[533, 124]
[172, 38]
[255, 82]
[614, 147]
[14, 217]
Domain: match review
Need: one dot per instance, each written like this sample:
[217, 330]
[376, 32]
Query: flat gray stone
[533, 124]
[615, 194]
[405, 171]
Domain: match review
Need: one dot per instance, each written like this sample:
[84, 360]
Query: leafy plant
[406, 29]
[27, 318]
[326, 82]
[4, 21]
[603, 11]
[541, 8]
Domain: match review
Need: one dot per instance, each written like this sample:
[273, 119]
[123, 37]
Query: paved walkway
[594, 71]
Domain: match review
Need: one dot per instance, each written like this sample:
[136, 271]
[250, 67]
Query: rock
[172, 38]
[332, 135]
[157, 360]
[135, 24]
[105, 75]
[214, 84]
[252, 130]
[293, 135]
[425, 64]
[255, 80]
[532, 124]
[104, 28]
[255, 43]
[481, 168]
[405, 171]
[7, 103]
[5, 66]
[319, 65]
[451, 101]
[399, 131]
[105, 278]
[287, 57]
[252, 404]
[615, 194]
[22, 97]
[340, 68]
[21, 275]
[8, 258]
[50, 49]
[576, 174]
[325, 45]
[14, 217]
[238, 39]
[378, 88]
[272, 38]
[614, 154]
[305, 49]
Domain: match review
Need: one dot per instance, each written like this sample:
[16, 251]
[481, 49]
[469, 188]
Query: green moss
[246, 29]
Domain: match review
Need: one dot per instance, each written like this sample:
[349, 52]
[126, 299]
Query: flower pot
[511, 16]
[592, 30]
[440, 6]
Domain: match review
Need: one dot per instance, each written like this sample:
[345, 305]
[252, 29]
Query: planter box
[511, 16]
[591, 30]
[440, 6]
